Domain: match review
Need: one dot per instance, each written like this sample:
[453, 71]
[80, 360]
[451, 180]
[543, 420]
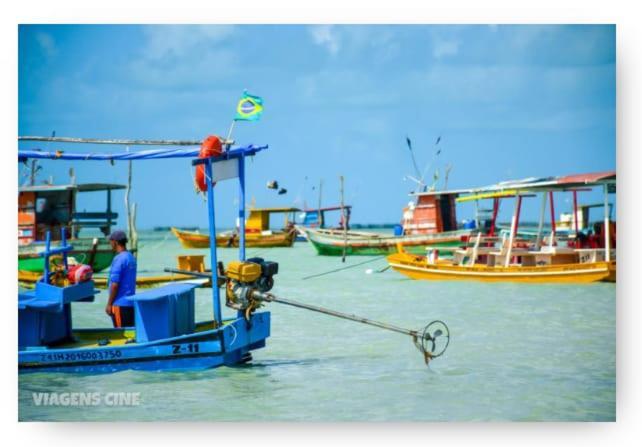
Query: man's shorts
[123, 316]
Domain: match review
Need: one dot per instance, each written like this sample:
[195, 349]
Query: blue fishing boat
[165, 335]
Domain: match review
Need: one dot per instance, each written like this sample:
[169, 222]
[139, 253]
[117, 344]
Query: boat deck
[91, 338]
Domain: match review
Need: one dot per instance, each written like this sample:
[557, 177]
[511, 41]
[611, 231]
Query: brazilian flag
[249, 108]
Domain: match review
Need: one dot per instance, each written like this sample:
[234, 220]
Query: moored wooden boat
[430, 221]
[332, 242]
[265, 239]
[257, 232]
[316, 218]
[51, 208]
[30, 260]
[585, 258]
[417, 267]
[189, 239]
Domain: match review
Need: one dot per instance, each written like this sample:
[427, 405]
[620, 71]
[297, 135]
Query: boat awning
[328, 208]
[538, 184]
[47, 188]
[491, 195]
[83, 187]
[274, 210]
[443, 193]
[91, 187]
[587, 179]
[150, 154]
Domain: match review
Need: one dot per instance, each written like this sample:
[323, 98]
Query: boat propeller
[434, 340]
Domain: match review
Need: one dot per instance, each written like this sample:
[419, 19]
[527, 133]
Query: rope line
[344, 268]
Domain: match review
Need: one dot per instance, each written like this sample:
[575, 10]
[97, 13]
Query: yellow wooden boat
[191, 239]
[257, 232]
[586, 258]
[417, 267]
[265, 239]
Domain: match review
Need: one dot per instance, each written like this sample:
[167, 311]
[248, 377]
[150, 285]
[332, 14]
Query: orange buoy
[211, 147]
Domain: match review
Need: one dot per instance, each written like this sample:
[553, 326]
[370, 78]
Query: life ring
[211, 147]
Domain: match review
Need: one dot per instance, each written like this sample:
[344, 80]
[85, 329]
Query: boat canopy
[150, 154]
[491, 195]
[328, 208]
[274, 210]
[259, 218]
[443, 192]
[538, 184]
[83, 187]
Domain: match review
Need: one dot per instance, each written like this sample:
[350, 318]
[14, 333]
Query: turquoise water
[517, 352]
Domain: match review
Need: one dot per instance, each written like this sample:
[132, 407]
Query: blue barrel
[397, 230]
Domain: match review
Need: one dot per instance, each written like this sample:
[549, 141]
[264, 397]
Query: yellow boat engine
[245, 277]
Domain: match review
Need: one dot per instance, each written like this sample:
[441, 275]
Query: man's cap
[118, 236]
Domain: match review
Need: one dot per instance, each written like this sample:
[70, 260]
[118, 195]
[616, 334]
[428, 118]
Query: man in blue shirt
[122, 282]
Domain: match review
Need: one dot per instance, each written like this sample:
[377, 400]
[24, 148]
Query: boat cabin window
[447, 208]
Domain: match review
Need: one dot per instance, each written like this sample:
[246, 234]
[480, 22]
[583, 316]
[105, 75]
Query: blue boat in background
[165, 335]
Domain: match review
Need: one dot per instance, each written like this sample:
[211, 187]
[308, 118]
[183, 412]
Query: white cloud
[175, 40]
[47, 44]
[443, 48]
[354, 39]
[184, 55]
[326, 36]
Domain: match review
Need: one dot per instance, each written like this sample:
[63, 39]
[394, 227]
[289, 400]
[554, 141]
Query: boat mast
[319, 217]
[540, 226]
[343, 223]
[496, 200]
[32, 173]
[607, 238]
[550, 195]
[216, 299]
[131, 230]
[577, 228]
[513, 228]
[241, 209]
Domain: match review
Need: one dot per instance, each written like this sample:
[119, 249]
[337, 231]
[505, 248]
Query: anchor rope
[344, 268]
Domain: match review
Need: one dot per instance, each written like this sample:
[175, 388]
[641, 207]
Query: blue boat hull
[225, 346]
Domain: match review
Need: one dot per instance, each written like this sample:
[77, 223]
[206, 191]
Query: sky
[505, 102]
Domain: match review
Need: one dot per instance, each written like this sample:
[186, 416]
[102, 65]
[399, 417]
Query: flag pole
[229, 135]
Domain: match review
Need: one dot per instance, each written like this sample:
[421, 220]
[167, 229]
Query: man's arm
[113, 291]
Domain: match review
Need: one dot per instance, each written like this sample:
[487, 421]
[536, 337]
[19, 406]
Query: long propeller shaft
[260, 296]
